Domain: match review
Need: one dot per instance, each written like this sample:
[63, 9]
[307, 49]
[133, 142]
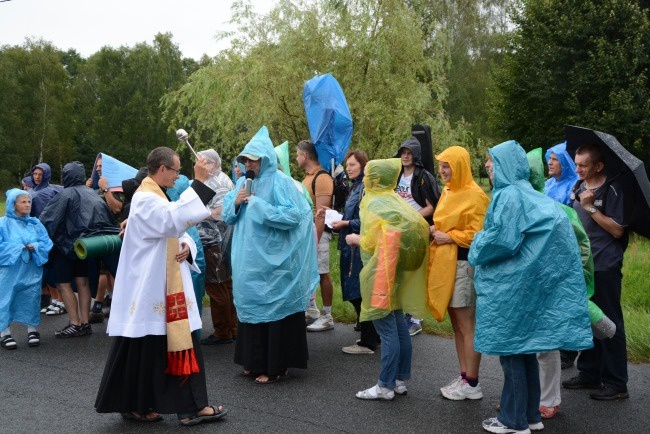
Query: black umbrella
[621, 165]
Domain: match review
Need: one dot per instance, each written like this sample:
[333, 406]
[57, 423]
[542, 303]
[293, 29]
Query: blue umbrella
[328, 118]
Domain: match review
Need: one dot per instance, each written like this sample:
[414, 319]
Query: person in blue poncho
[562, 174]
[24, 248]
[43, 191]
[531, 292]
[273, 263]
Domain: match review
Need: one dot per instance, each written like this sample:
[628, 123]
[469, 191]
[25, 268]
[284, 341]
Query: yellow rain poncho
[460, 213]
[394, 241]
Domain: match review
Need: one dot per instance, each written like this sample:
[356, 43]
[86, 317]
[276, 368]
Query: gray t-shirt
[607, 250]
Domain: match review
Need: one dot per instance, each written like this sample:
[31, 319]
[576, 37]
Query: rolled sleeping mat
[101, 245]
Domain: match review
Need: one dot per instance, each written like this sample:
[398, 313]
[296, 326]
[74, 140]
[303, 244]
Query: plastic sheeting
[274, 244]
[531, 294]
[328, 118]
[114, 171]
[394, 246]
[21, 271]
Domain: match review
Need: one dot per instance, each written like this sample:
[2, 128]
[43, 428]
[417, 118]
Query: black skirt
[270, 348]
[135, 380]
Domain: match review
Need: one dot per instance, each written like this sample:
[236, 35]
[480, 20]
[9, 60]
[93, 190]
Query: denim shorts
[464, 292]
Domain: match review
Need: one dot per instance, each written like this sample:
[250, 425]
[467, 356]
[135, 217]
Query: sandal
[548, 412]
[57, 309]
[33, 339]
[247, 373]
[8, 343]
[376, 393]
[271, 378]
[149, 417]
[217, 413]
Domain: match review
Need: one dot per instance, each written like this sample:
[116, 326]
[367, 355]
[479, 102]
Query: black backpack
[341, 189]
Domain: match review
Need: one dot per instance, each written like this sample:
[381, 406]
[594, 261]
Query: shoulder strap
[313, 181]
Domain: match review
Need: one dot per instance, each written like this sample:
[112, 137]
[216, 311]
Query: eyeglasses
[245, 160]
[178, 171]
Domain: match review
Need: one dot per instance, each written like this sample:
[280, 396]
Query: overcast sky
[88, 25]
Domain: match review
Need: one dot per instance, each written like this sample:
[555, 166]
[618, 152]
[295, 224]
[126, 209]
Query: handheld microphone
[250, 175]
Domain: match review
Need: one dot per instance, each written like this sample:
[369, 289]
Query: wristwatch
[591, 210]
[106, 191]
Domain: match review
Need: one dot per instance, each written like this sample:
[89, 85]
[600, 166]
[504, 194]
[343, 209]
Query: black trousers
[369, 336]
[607, 360]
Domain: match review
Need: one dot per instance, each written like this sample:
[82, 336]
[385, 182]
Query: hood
[29, 182]
[212, 156]
[382, 175]
[74, 174]
[180, 185]
[510, 164]
[47, 175]
[241, 167]
[458, 159]
[536, 165]
[416, 149]
[261, 146]
[12, 195]
[567, 163]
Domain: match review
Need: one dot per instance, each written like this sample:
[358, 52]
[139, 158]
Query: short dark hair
[359, 155]
[308, 148]
[594, 151]
[161, 156]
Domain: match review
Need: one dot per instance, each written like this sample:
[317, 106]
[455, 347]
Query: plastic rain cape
[282, 152]
[114, 171]
[531, 294]
[328, 118]
[459, 213]
[394, 246]
[274, 244]
[560, 189]
[20, 270]
[537, 166]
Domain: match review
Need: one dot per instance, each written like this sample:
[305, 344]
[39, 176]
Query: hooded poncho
[21, 270]
[531, 294]
[42, 193]
[460, 213]
[273, 252]
[394, 239]
[560, 189]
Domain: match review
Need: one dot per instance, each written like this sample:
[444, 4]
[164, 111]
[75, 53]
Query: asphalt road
[52, 388]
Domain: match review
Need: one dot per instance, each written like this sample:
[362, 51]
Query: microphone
[250, 175]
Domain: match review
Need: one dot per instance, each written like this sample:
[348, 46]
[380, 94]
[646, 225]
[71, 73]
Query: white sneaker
[537, 426]
[311, 315]
[324, 322]
[452, 385]
[400, 388]
[375, 393]
[493, 425]
[463, 391]
[357, 349]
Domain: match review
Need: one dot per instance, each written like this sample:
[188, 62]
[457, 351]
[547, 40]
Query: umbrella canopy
[328, 118]
[620, 164]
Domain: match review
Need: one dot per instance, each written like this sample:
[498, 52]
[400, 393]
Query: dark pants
[94, 266]
[369, 336]
[222, 309]
[607, 360]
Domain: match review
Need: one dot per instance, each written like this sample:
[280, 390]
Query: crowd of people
[520, 275]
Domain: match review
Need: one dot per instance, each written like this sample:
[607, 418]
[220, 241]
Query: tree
[580, 63]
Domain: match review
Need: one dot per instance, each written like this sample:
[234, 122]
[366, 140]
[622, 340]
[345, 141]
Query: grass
[635, 300]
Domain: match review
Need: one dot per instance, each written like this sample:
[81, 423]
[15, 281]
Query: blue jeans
[521, 391]
[396, 349]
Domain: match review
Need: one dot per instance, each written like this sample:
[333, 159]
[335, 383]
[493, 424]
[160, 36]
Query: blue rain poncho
[21, 270]
[531, 294]
[42, 193]
[560, 189]
[394, 247]
[274, 245]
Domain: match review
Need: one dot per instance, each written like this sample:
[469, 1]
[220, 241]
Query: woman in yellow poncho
[458, 216]
[393, 242]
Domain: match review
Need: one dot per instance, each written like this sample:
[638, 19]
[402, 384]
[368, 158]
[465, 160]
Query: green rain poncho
[394, 246]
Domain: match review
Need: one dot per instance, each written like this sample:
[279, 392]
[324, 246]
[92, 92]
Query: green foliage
[579, 63]
[374, 48]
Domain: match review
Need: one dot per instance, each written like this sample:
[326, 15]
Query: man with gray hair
[215, 236]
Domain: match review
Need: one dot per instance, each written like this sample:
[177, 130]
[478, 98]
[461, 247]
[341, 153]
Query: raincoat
[198, 277]
[394, 246]
[241, 167]
[273, 252]
[42, 193]
[460, 213]
[531, 295]
[560, 189]
[350, 259]
[21, 270]
[75, 212]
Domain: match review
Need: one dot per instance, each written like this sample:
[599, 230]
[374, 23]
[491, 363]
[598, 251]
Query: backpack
[341, 189]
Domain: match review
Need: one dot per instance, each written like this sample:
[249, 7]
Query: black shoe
[608, 393]
[96, 317]
[213, 340]
[566, 364]
[70, 331]
[579, 382]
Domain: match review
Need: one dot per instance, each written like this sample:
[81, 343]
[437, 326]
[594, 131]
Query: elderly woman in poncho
[24, 248]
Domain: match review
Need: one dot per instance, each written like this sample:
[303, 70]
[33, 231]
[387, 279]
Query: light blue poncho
[274, 245]
[560, 189]
[531, 294]
[21, 271]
